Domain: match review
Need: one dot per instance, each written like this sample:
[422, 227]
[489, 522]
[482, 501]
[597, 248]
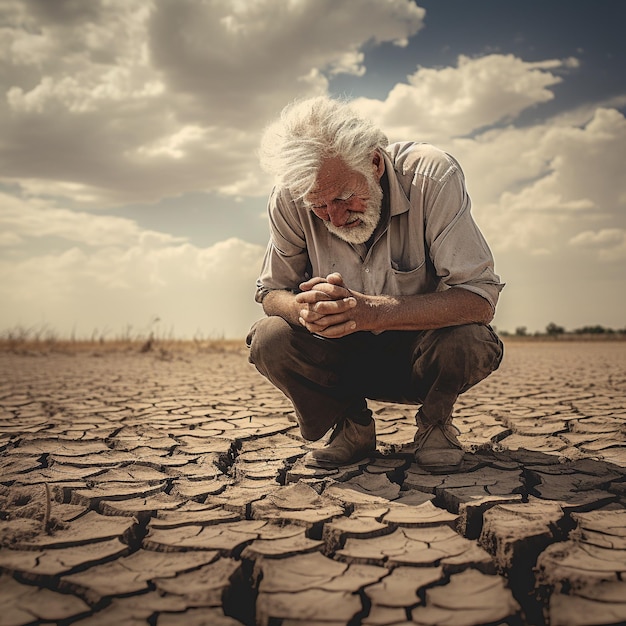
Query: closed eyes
[343, 198]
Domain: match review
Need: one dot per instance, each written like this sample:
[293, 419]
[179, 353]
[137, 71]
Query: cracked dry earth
[169, 489]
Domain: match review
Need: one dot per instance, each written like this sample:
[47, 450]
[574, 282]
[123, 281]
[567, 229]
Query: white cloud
[438, 104]
[260, 48]
[36, 220]
[9, 238]
[128, 100]
[81, 94]
[609, 243]
[608, 237]
[109, 272]
[534, 188]
[191, 289]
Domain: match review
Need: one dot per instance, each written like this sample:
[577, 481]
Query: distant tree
[593, 330]
[521, 331]
[552, 329]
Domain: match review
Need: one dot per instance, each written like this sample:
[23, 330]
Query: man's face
[349, 202]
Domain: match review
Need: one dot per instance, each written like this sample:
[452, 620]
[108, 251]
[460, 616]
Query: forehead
[334, 177]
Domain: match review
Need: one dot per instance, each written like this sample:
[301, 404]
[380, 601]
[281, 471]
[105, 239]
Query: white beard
[369, 218]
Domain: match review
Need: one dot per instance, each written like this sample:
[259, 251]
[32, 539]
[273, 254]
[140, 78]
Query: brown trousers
[329, 379]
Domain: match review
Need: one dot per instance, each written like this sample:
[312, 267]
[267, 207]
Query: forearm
[452, 307]
[283, 304]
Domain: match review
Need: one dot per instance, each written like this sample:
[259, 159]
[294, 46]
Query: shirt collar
[398, 202]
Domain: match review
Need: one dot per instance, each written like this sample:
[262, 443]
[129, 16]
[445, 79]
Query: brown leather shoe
[349, 443]
[438, 448]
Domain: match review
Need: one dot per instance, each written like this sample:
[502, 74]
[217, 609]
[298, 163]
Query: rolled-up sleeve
[458, 250]
[286, 259]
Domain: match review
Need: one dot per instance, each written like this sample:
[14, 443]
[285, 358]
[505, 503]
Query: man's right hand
[325, 306]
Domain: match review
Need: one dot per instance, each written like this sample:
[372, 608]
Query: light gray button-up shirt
[429, 243]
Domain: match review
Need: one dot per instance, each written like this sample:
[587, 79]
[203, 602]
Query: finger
[335, 292]
[309, 284]
[338, 330]
[311, 297]
[332, 307]
[335, 279]
[321, 322]
[310, 316]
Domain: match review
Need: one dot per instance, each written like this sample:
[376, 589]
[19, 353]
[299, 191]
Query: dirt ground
[166, 487]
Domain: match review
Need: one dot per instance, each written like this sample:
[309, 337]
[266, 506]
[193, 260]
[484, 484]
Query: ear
[379, 165]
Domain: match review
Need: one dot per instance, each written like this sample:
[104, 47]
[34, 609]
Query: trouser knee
[281, 351]
[461, 355]
[266, 339]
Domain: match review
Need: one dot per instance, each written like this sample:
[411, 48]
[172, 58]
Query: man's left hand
[329, 307]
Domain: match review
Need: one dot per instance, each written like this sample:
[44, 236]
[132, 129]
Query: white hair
[310, 131]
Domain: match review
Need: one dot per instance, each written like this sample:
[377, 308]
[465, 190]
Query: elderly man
[376, 284]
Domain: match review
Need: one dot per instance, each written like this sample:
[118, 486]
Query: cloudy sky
[129, 184]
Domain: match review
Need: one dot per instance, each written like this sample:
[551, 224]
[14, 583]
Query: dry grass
[565, 337]
[36, 342]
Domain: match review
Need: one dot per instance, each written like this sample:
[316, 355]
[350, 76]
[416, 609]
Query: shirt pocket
[401, 282]
[408, 271]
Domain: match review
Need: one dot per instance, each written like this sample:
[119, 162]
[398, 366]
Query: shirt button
[367, 269]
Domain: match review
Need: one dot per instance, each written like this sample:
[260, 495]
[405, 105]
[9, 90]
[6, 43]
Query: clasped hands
[328, 308]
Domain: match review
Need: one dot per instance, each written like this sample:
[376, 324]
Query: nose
[337, 213]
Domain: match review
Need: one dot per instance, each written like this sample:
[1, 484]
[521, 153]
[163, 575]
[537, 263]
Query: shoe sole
[440, 469]
[432, 460]
[313, 462]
